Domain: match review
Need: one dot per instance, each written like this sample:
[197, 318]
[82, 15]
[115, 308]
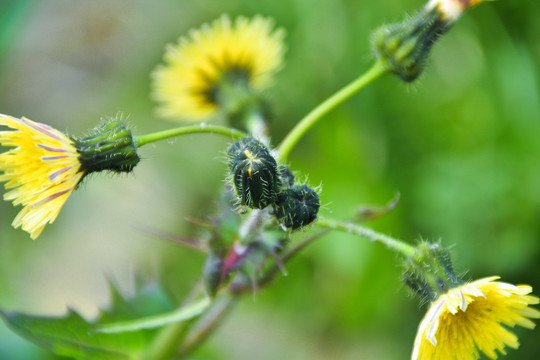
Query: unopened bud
[297, 207]
[110, 147]
[429, 271]
[254, 174]
[404, 48]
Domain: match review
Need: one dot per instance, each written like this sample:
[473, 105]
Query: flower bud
[255, 177]
[404, 48]
[237, 147]
[297, 207]
[286, 177]
[429, 271]
[110, 147]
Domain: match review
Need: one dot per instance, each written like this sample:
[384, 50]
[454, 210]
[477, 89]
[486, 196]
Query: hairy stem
[185, 130]
[317, 113]
[394, 244]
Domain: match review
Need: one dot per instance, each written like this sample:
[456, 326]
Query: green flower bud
[429, 272]
[255, 177]
[404, 47]
[110, 147]
[286, 177]
[237, 147]
[297, 207]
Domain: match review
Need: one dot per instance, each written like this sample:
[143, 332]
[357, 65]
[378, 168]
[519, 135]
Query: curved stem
[208, 323]
[316, 114]
[394, 244]
[184, 130]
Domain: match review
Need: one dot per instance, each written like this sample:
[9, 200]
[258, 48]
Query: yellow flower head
[469, 319]
[452, 9]
[41, 171]
[245, 51]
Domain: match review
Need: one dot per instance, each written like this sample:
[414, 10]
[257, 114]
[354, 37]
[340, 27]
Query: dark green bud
[297, 207]
[404, 48]
[237, 147]
[255, 177]
[286, 177]
[110, 147]
[429, 271]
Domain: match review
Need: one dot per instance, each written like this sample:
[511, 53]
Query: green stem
[184, 130]
[394, 244]
[208, 323]
[168, 339]
[316, 114]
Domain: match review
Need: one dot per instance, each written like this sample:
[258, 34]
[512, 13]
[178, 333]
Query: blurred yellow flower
[469, 319]
[451, 9]
[41, 171]
[244, 53]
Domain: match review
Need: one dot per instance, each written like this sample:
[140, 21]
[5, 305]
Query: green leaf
[73, 336]
[184, 313]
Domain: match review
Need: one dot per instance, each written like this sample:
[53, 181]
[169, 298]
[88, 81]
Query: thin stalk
[184, 130]
[207, 324]
[167, 340]
[393, 244]
[166, 343]
[317, 113]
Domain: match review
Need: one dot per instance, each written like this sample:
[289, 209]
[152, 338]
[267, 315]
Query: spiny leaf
[73, 336]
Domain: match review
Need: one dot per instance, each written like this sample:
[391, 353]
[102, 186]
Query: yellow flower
[246, 52]
[41, 171]
[469, 319]
[452, 9]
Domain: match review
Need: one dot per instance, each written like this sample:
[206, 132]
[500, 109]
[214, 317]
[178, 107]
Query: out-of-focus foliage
[461, 145]
[73, 336]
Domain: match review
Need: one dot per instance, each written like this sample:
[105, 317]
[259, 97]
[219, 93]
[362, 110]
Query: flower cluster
[223, 68]
[259, 182]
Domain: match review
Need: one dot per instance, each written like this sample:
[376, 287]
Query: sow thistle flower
[464, 319]
[217, 67]
[45, 165]
[404, 48]
[469, 319]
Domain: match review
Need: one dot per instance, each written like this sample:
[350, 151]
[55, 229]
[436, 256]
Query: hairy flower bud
[238, 146]
[297, 207]
[429, 272]
[255, 176]
[110, 147]
[404, 48]
[286, 177]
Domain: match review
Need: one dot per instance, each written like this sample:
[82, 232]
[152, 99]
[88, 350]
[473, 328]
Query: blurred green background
[461, 145]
